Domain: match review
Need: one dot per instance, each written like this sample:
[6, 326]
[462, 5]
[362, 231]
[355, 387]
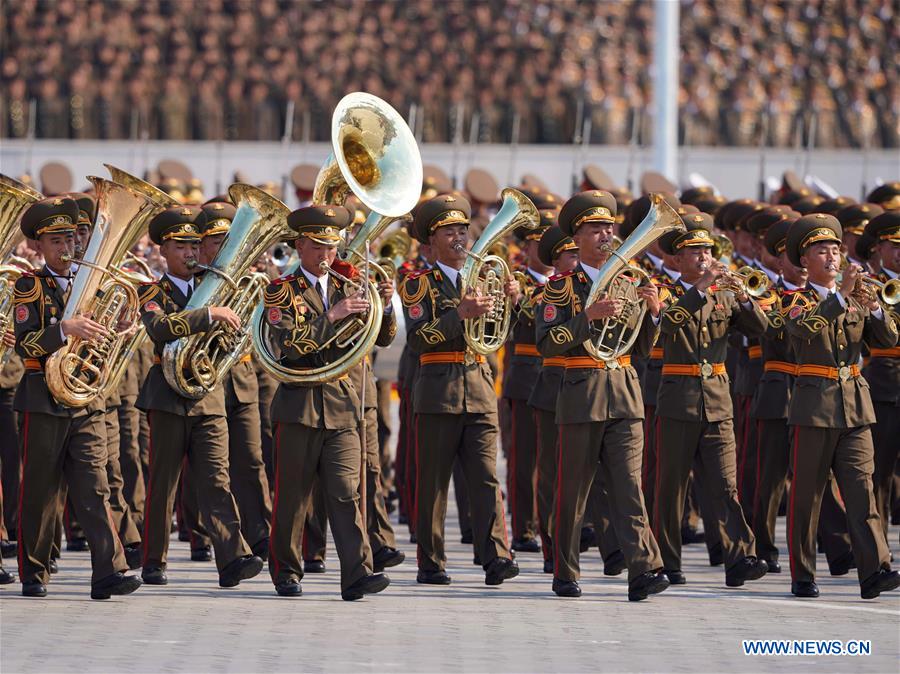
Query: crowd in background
[472, 69]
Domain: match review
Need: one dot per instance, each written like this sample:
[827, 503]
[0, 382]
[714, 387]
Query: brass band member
[559, 251]
[883, 370]
[831, 407]
[180, 426]
[599, 410]
[59, 443]
[454, 399]
[694, 403]
[316, 434]
[518, 380]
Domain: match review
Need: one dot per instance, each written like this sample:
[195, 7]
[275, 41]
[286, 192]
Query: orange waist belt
[33, 364]
[781, 366]
[448, 357]
[705, 370]
[575, 362]
[656, 353]
[885, 353]
[554, 361]
[754, 352]
[842, 373]
[526, 350]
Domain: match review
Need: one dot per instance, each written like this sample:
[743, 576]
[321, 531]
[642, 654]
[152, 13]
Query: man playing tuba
[599, 409]
[316, 431]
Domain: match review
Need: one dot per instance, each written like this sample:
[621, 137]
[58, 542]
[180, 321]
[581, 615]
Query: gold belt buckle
[612, 364]
[706, 370]
[844, 373]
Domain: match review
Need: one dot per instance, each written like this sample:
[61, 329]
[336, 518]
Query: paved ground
[193, 626]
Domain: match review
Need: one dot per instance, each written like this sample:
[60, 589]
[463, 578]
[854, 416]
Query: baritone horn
[617, 279]
[487, 273]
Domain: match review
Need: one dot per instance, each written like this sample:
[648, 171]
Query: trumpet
[869, 288]
[747, 280]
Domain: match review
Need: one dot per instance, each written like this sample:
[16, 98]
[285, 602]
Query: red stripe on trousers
[147, 515]
[274, 557]
[19, 552]
[790, 529]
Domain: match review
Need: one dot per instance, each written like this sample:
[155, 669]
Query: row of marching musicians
[580, 330]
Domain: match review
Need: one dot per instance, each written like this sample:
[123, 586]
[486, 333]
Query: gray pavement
[193, 626]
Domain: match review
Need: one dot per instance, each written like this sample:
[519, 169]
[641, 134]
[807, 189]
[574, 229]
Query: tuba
[488, 273]
[161, 200]
[195, 364]
[613, 336]
[15, 197]
[375, 157]
[80, 371]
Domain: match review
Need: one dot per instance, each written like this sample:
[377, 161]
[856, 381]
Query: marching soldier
[180, 426]
[454, 399]
[316, 433]
[831, 407]
[559, 252]
[694, 404]
[59, 443]
[599, 409]
[883, 370]
[246, 468]
[519, 380]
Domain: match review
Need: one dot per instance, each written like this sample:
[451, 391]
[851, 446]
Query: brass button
[705, 345]
[842, 363]
[705, 361]
[840, 332]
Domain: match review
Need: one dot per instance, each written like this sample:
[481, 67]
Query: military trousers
[548, 445]
[133, 489]
[9, 457]
[709, 448]
[886, 440]
[522, 468]
[57, 450]
[204, 441]
[617, 446]
[849, 453]
[773, 460]
[470, 438]
[123, 521]
[302, 454]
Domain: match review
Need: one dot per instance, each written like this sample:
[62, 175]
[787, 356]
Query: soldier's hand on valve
[225, 315]
[650, 294]
[83, 327]
[9, 339]
[346, 307]
[513, 290]
[386, 290]
[604, 308]
[474, 305]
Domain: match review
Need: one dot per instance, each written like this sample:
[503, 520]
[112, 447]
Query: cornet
[746, 280]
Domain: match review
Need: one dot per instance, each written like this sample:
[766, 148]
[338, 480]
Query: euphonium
[487, 273]
[614, 337]
[374, 156]
[195, 364]
[160, 200]
[15, 197]
[79, 371]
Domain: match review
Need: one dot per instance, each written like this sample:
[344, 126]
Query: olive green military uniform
[58, 444]
[456, 418]
[10, 375]
[696, 419]
[599, 413]
[518, 381]
[182, 427]
[316, 434]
